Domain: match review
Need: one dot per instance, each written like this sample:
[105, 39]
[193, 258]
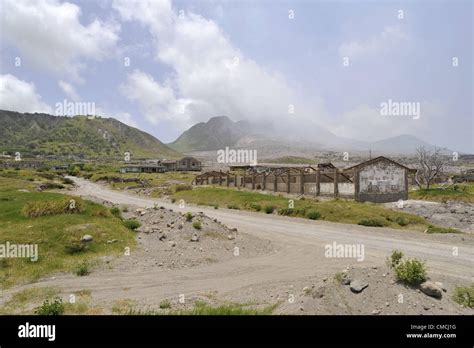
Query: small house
[188, 164]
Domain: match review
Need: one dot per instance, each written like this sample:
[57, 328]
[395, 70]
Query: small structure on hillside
[188, 164]
[380, 180]
[161, 166]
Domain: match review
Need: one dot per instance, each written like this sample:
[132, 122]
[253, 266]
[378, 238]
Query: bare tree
[431, 164]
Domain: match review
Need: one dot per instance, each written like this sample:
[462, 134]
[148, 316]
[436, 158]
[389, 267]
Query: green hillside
[80, 136]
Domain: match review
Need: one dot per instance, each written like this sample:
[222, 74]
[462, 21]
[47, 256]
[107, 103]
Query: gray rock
[172, 243]
[431, 289]
[441, 286]
[358, 285]
[195, 238]
[87, 238]
[230, 237]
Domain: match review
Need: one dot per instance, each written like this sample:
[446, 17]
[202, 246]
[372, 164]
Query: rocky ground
[453, 214]
[170, 239]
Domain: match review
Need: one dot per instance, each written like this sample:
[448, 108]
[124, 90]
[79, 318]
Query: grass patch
[268, 209]
[197, 225]
[165, 304]
[53, 307]
[57, 236]
[464, 295]
[52, 207]
[132, 224]
[436, 229]
[341, 210]
[458, 192]
[313, 215]
[372, 222]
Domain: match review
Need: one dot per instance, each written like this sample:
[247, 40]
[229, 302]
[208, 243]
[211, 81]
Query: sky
[163, 66]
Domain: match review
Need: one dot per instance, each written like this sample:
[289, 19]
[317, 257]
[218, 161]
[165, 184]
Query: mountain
[80, 136]
[296, 139]
[215, 134]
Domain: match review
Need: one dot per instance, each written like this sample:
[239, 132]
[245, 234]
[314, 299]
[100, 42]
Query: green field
[54, 234]
[457, 192]
[338, 210]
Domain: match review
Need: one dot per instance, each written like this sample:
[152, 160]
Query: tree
[431, 164]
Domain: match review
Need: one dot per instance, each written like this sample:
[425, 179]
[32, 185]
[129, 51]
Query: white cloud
[48, 34]
[209, 75]
[69, 90]
[21, 96]
[377, 45]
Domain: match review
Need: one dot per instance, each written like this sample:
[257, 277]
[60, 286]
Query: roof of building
[377, 159]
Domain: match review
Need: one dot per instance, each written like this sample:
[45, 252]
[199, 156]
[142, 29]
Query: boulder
[195, 238]
[431, 289]
[358, 285]
[87, 238]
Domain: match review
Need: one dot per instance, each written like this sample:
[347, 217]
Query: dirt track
[296, 257]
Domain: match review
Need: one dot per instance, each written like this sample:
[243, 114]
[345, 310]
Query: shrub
[51, 308]
[83, 269]
[269, 209]
[165, 304]
[411, 271]
[372, 222]
[189, 216]
[255, 206]
[100, 212]
[286, 211]
[401, 221]
[173, 200]
[125, 209]
[116, 212]
[197, 225]
[464, 296]
[75, 248]
[43, 208]
[51, 186]
[313, 215]
[67, 181]
[435, 229]
[233, 206]
[182, 187]
[132, 224]
[216, 206]
[395, 258]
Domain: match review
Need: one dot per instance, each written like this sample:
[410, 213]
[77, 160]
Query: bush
[464, 296]
[286, 211]
[372, 222]
[43, 208]
[395, 258]
[165, 304]
[435, 229]
[182, 187]
[269, 209]
[67, 181]
[216, 206]
[255, 206]
[197, 225]
[189, 216]
[116, 212]
[83, 269]
[74, 248]
[173, 200]
[50, 186]
[51, 308]
[132, 224]
[401, 221]
[411, 271]
[233, 206]
[313, 215]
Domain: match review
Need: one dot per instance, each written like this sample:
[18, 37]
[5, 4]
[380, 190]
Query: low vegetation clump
[372, 222]
[410, 271]
[286, 211]
[55, 307]
[189, 216]
[52, 207]
[165, 304]
[464, 295]
[132, 224]
[313, 215]
[197, 225]
[115, 211]
[436, 229]
[458, 192]
[269, 209]
[233, 206]
[182, 187]
[255, 206]
[395, 258]
[83, 269]
[75, 248]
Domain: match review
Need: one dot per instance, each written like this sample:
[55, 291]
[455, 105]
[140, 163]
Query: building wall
[382, 181]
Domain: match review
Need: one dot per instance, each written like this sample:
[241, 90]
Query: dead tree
[431, 164]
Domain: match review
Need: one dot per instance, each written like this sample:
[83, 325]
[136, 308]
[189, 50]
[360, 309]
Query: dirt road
[298, 254]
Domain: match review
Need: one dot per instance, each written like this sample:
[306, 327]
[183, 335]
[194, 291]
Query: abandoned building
[377, 180]
[161, 166]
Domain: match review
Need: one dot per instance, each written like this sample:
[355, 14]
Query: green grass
[410, 271]
[203, 308]
[53, 233]
[291, 160]
[464, 295]
[339, 210]
[459, 192]
[436, 229]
